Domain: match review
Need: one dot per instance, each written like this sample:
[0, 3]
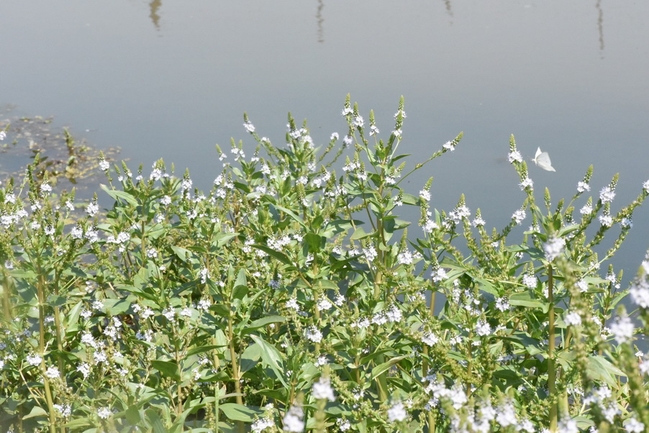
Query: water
[171, 79]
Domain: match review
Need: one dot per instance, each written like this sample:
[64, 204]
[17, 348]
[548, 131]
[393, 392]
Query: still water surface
[171, 78]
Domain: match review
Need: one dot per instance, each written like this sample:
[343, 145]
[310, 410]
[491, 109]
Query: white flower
[313, 334]
[438, 275]
[393, 314]
[478, 222]
[607, 194]
[587, 209]
[622, 329]
[506, 415]
[430, 339]
[582, 187]
[639, 292]
[262, 424]
[632, 425]
[526, 183]
[347, 111]
[370, 253]
[92, 208]
[502, 304]
[156, 174]
[249, 127]
[397, 412]
[568, 425]
[322, 390]
[482, 328]
[52, 372]
[104, 165]
[519, 216]
[104, 412]
[293, 305]
[204, 274]
[348, 140]
[606, 220]
[334, 136]
[572, 319]
[324, 304]
[358, 121]
[553, 248]
[429, 225]
[46, 188]
[64, 409]
[645, 185]
[405, 258]
[33, 359]
[293, 420]
[424, 194]
[449, 145]
[3, 135]
[343, 424]
[84, 369]
[583, 285]
[514, 155]
[530, 281]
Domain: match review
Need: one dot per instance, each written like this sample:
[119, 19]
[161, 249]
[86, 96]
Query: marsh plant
[290, 297]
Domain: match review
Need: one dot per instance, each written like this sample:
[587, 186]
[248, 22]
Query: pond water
[170, 79]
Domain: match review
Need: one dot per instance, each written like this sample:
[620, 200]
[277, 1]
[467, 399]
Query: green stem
[40, 288]
[552, 373]
[235, 369]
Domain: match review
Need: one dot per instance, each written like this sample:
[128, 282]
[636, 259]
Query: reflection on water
[447, 3]
[153, 7]
[600, 26]
[318, 15]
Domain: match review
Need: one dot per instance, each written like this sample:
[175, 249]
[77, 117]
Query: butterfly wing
[543, 161]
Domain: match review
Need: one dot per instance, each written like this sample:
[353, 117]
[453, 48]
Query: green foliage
[245, 308]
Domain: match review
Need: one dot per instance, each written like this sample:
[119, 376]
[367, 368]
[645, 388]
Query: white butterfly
[542, 159]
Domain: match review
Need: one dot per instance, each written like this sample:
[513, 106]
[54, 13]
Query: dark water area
[170, 79]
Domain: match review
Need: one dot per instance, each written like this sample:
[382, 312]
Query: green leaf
[272, 358]
[36, 412]
[237, 412]
[56, 300]
[249, 357]
[116, 195]
[182, 253]
[155, 421]
[264, 321]
[132, 414]
[382, 368]
[601, 369]
[273, 253]
[115, 307]
[202, 349]
[167, 368]
[524, 299]
[315, 242]
[359, 233]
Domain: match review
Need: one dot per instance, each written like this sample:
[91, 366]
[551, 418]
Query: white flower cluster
[553, 248]
[322, 390]
[294, 420]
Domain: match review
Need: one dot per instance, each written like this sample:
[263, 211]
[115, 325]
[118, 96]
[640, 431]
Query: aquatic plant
[290, 297]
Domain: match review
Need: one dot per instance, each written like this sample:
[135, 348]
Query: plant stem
[40, 288]
[552, 373]
[235, 369]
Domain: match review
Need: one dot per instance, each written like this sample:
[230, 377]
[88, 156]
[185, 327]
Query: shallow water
[172, 78]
